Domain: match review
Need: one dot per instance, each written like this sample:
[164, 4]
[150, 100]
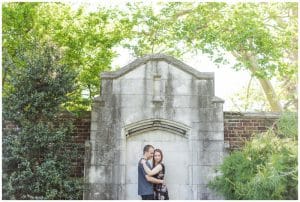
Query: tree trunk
[265, 83]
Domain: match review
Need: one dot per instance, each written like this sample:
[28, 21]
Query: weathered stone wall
[168, 95]
[238, 127]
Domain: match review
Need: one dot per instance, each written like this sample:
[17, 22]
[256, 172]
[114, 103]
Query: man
[145, 188]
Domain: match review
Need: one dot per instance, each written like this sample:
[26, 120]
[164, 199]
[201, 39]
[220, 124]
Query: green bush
[38, 153]
[266, 168]
[287, 125]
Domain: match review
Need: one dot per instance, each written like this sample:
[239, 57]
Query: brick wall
[238, 127]
[81, 134]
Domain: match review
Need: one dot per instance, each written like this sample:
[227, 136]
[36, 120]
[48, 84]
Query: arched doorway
[176, 157]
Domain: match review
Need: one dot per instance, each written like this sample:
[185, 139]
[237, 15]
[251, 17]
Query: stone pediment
[161, 101]
[157, 57]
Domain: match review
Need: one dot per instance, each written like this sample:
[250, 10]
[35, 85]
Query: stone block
[195, 171]
[182, 101]
[194, 192]
[195, 146]
[215, 135]
[93, 135]
[94, 115]
[132, 191]
[133, 114]
[181, 87]
[137, 73]
[118, 175]
[104, 155]
[205, 87]
[178, 192]
[204, 102]
[94, 126]
[207, 173]
[205, 193]
[133, 172]
[208, 126]
[99, 191]
[100, 174]
[182, 115]
[140, 86]
[176, 173]
[210, 158]
[178, 74]
[213, 145]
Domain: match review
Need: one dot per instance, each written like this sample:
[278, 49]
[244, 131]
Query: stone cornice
[157, 57]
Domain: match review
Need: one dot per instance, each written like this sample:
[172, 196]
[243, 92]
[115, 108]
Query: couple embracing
[151, 184]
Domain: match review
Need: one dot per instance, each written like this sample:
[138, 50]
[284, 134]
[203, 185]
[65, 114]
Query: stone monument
[161, 101]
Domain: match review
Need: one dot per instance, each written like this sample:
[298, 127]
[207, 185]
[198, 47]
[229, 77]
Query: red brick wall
[238, 127]
[81, 134]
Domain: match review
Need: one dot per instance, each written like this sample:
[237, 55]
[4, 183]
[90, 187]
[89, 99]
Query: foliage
[266, 168]
[87, 40]
[258, 35]
[250, 98]
[262, 38]
[287, 125]
[37, 154]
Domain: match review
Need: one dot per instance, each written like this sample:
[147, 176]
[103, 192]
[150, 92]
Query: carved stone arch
[170, 94]
[156, 124]
[167, 135]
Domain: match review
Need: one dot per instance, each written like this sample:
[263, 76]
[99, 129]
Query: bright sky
[227, 80]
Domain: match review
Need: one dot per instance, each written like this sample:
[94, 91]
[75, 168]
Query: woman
[158, 171]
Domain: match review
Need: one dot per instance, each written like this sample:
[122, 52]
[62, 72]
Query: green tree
[38, 153]
[266, 168]
[262, 37]
[250, 98]
[86, 39]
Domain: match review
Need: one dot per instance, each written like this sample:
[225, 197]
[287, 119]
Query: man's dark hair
[147, 147]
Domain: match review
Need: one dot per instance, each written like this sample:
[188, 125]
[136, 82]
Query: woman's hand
[143, 161]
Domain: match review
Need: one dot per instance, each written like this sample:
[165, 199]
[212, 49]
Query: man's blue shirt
[144, 187]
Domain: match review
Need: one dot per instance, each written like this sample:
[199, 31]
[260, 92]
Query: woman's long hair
[161, 154]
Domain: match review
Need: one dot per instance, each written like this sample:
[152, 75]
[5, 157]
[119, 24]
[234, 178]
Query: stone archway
[172, 139]
[156, 97]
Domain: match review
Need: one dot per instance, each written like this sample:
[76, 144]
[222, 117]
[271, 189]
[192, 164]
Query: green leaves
[252, 32]
[287, 125]
[266, 168]
[262, 37]
[38, 154]
[86, 40]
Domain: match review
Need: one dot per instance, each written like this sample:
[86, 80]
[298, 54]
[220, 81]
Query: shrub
[266, 168]
[37, 155]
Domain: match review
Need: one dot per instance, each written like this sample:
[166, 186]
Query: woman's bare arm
[153, 180]
[152, 172]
